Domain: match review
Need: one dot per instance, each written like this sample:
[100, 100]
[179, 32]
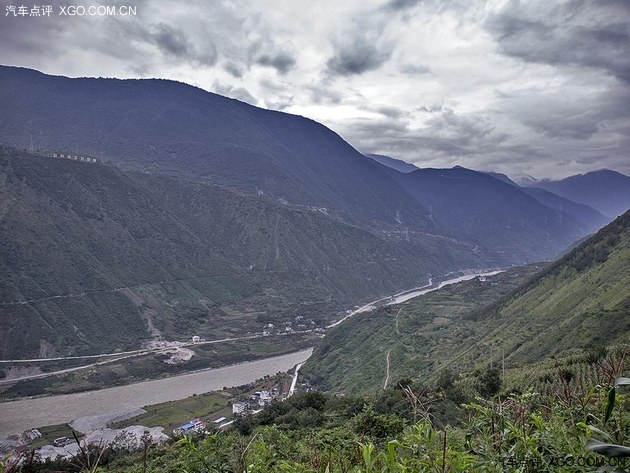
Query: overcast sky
[537, 88]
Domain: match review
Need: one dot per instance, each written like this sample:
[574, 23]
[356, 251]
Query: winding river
[17, 416]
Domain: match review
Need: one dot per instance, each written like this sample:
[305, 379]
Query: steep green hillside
[171, 127]
[419, 336]
[582, 299]
[93, 258]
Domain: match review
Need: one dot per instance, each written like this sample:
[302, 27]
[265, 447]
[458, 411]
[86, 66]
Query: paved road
[387, 370]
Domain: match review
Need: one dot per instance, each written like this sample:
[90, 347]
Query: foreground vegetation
[473, 422]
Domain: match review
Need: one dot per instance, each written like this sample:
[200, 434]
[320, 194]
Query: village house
[240, 407]
[195, 425]
[264, 398]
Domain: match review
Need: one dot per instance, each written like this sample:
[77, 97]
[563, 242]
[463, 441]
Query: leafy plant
[612, 450]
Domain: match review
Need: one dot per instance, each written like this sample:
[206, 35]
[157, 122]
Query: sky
[528, 88]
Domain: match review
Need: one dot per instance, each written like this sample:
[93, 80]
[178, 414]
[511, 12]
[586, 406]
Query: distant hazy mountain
[606, 191]
[89, 254]
[526, 181]
[587, 216]
[502, 177]
[173, 127]
[590, 219]
[397, 164]
[497, 216]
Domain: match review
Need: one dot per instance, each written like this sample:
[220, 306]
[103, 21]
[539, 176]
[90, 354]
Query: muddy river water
[17, 416]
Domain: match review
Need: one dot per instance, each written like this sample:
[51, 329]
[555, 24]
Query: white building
[239, 407]
[264, 398]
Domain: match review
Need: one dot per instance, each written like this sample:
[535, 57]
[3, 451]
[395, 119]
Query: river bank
[20, 415]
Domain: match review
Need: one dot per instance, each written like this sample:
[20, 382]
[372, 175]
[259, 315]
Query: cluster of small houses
[259, 398]
[240, 408]
[74, 157]
[196, 425]
[487, 281]
[300, 325]
[27, 437]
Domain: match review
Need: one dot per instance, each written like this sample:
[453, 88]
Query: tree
[489, 382]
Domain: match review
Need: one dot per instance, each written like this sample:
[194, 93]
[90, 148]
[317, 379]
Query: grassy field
[171, 415]
[52, 432]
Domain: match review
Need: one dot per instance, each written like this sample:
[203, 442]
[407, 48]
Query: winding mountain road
[26, 413]
[387, 370]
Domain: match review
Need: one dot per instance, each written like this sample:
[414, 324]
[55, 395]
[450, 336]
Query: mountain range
[89, 253]
[498, 217]
[606, 191]
[208, 215]
[170, 127]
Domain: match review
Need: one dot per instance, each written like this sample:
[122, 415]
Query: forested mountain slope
[171, 127]
[580, 300]
[98, 251]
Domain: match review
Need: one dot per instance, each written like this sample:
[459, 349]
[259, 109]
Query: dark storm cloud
[583, 33]
[173, 42]
[397, 5]
[169, 40]
[233, 69]
[265, 50]
[358, 53]
[282, 62]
